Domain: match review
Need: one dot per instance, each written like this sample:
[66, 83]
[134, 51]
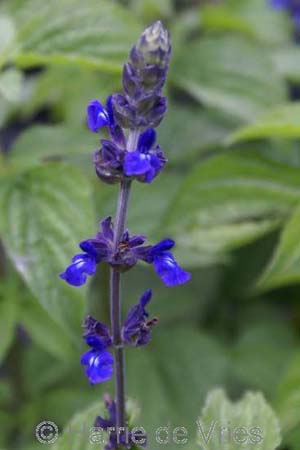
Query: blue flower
[98, 361]
[136, 330]
[97, 116]
[99, 365]
[130, 250]
[82, 265]
[147, 161]
[166, 265]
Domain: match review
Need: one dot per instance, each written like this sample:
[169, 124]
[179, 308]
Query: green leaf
[287, 62]
[139, 217]
[254, 19]
[44, 331]
[229, 201]
[281, 122]
[66, 90]
[230, 74]
[95, 33]
[40, 143]
[9, 310]
[177, 352]
[284, 266]
[245, 424]
[77, 433]
[150, 10]
[288, 397]
[46, 211]
[11, 85]
[203, 130]
[7, 34]
[264, 369]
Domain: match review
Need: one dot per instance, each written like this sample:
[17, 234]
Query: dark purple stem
[115, 292]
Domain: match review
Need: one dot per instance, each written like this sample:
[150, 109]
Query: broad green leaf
[139, 217]
[66, 90]
[262, 369]
[281, 122]
[9, 313]
[7, 34]
[231, 200]
[96, 33]
[288, 397]
[254, 19]
[177, 356]
[11, 85]
[247, 423]
[150, 10]
[199, 294]
[284, 267]
[230, 74]
[53, 373]
[41, 143]
[78, 433]
[188, 132]
[287, 62]
[44, 331]
[46, 211]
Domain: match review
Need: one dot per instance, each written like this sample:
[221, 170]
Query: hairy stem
[115, 291]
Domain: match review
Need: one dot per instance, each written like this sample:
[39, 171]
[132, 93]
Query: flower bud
[154, 45]
[144, 75]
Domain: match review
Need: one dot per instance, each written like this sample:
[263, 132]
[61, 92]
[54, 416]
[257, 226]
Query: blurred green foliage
[230, 197]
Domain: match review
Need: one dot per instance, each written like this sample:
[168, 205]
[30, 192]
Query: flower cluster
[140, 106]
[130, 250]
[136, 331]
[292, 6]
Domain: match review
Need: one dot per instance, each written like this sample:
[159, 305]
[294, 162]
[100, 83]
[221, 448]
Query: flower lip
[97, 116]
[76, 273]
[98, 365]
[147, 161]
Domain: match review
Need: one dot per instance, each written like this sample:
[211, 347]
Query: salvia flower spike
[124, 157]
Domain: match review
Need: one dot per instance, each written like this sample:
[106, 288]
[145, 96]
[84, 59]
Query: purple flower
[97, 116]
[108, 162]
[166, 265]
[98, 361]
[129, 251]
[98, 365]
[136, 330]
[147, 161]
[82, 265]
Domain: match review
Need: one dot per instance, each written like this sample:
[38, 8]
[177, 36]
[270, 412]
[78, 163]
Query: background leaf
[282, 122]
[95, 33]
[8, 314]
[254, 19]
[236, 198]
[46, 212]
[251, 411]
[229, 74]
[284, 265]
